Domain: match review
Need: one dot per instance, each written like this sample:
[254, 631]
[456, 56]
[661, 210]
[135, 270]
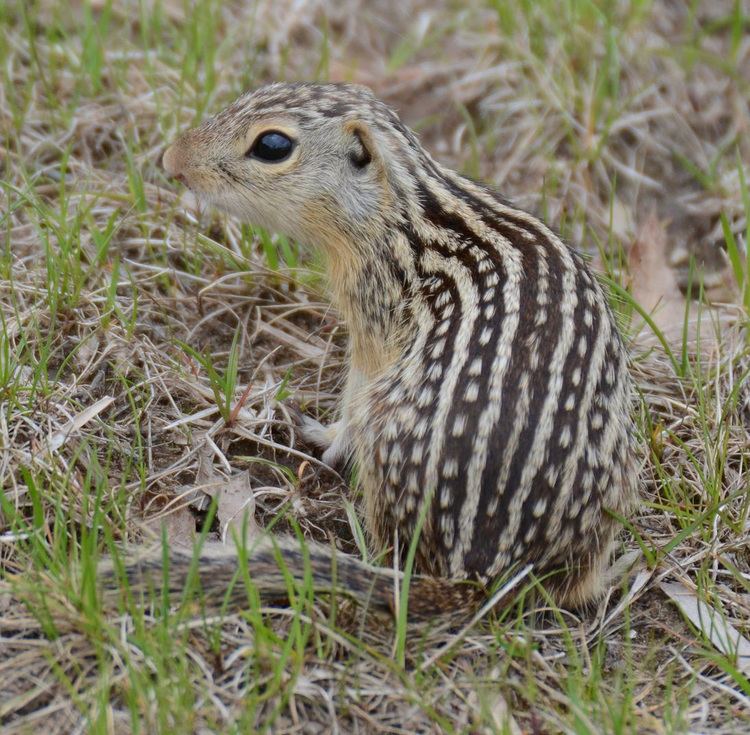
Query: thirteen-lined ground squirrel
[485, 368]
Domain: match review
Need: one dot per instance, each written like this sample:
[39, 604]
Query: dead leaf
[58, 438]
[236, 508]
[719, 284]
[177, 524]
[234, 498]
[171, 516]
[654, 286]
[489, 698]
[722, 634]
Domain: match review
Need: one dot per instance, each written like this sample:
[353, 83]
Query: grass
[143, 343]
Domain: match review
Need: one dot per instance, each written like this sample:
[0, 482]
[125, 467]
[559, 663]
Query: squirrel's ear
[364, 149]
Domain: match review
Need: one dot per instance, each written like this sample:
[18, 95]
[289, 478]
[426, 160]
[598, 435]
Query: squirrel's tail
[276, 569]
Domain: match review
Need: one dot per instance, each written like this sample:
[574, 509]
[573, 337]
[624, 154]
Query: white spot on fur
[530, 534]
[450, 468]
[435, 371]
[425, 397]
[446, 524]
[472, 391]
[575, 507]
[396, 395]
[420, 428]
[396, 455]
[437, 350]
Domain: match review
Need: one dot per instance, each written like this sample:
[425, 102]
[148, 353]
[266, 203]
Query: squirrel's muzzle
[173, 164]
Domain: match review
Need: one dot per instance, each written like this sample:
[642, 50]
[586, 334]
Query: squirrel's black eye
[271, 147]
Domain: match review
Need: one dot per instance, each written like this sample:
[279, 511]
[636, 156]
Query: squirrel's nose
[171, 161]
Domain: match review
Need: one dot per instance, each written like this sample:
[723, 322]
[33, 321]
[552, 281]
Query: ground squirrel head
[317, 162]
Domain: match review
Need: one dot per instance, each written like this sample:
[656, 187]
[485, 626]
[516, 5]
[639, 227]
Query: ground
[150, 351]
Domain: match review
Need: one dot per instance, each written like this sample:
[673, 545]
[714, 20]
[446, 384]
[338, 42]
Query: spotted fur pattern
[510, 401]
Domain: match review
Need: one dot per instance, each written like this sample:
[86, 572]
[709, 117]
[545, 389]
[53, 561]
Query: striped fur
[487, 373]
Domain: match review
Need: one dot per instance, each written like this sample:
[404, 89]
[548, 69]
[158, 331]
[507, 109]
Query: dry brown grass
[109, 424]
